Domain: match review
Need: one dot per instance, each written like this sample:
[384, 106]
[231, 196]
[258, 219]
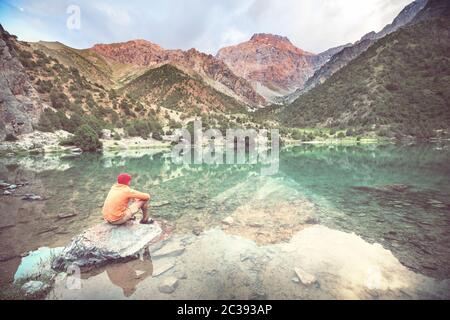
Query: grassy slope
[72, 93]
[400, 84]
[171, 88]
[89, 64]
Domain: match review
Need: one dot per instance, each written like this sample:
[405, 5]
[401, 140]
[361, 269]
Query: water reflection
[125, 275]
[414, 223]
[353, 188]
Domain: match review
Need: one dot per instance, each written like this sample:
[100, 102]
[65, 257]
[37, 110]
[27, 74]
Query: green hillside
[399, 86]
[169, 87]
[88, 63]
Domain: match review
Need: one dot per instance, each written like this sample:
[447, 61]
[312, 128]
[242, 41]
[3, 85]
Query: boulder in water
[228, 221]
[305, 277]
[106, 243]
[32, 197]
[171, 249]
[168, 285]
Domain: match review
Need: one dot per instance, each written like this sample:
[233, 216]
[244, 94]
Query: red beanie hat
[124, 178]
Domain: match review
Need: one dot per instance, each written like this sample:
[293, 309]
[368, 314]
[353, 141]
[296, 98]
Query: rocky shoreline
[316, 263]
[38, 142]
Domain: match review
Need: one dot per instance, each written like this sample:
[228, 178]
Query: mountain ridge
[398, 86]
[50, 86]
[342, 58]
[147, 54]
[271, 63]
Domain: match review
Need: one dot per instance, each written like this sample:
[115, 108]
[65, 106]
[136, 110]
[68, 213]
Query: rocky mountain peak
[276, 41]
[139, 51]
[195, 53]
[130, 43]
[268, 37]
[271, 63]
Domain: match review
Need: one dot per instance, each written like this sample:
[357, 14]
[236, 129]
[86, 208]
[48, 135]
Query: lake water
[398, 196]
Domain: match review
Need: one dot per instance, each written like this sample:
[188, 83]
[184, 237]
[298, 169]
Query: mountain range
[399, 85]
[272, 64]
[368, 85]
[350, 52]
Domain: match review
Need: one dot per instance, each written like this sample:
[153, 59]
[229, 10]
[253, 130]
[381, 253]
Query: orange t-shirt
[117, 201]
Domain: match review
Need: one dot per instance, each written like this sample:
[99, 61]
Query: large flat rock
[105, 243]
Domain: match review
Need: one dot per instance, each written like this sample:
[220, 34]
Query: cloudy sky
[313, 25]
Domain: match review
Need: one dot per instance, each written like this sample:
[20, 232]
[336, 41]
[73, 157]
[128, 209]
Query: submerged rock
[169, 250]
[197, 231]
[162, 266]
[66, 215]
[7, 225]
[4, 185]
[105, 243]
[305, 277]
[7, 257]
[228, 221]
[32, 197]
[168, 285]
[311, 220]
[10, 188]
[436, 203]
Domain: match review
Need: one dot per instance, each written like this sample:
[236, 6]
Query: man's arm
[139, 195]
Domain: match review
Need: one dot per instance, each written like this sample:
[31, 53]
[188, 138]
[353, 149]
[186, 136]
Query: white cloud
[317, 25]
[232, 36]
[313, 25]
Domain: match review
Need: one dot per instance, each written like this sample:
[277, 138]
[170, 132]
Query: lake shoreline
[316, 263]
[49, 143]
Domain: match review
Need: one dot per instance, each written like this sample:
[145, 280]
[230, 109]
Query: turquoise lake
[395, 195]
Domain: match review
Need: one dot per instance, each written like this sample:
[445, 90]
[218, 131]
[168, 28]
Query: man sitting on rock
[122, 202]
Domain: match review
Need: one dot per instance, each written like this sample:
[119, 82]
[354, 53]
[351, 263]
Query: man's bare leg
[144, 207]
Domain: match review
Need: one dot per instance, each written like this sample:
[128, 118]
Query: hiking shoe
[149, 221]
